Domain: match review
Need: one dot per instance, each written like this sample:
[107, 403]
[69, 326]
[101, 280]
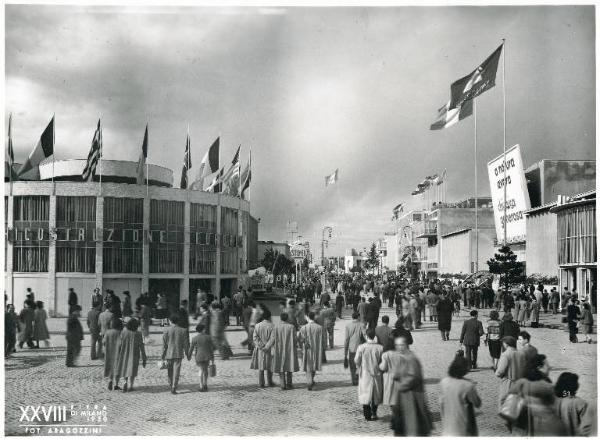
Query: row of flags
[232, 180]
[429, 182]
[465, 89]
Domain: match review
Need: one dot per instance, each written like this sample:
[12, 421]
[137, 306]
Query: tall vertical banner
[517, 195]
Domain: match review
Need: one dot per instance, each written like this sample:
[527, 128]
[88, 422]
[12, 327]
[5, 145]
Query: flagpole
[11, 159]
[101, 152]
[476, 268]
[504, 127]
[53, 152]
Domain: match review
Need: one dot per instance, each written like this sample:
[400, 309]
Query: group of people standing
[28, 327]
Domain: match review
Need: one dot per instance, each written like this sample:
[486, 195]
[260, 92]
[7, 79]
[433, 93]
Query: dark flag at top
[187, 164]
[43, 150]
[477, 82]
[142, 161]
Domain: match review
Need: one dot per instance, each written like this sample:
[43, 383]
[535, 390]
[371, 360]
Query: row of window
[577, 235]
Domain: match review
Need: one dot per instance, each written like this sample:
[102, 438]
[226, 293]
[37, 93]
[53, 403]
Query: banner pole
[476, 268]
[504, 129]
[53, 152]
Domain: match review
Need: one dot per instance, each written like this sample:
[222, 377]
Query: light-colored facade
[541, 249]
[122, 236]
[283, 248]
[458, 251]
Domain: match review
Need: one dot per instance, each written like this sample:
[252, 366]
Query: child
[587, 322]
[203, 345]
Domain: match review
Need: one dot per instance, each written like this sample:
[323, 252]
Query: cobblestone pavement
[235, 405]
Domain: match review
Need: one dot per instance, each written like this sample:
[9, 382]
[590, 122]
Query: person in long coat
[131, 349]
[523, 308]
[262, 358]
[444, 309]
[74, 336]
[284, 351]
[458, 401]
[370, 382]
[202, 349]
[217, 331]
[573, 411]
[10, 330]
[145, 321]
[111, 342]
[26, 319]
[432, 300]
[127, 310]
[510, 367]
[311, 338]
[390, 365]
[410, 417]
[40, 328]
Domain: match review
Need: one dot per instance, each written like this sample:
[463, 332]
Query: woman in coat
[370, 383]
[587, 322]
[572, 410]
[391, 363]
[522, 313]
[509, 369]
[111, 342]
[131, 348]
[536, 388]
[492, 337]
[127, 310]
[262, 357]
[444, 309]
[535, 313]
[26, 318]
[40, 329]
[217, 331]
[410, 416]
[458, 401]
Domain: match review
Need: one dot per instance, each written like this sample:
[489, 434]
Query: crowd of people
[378, 354]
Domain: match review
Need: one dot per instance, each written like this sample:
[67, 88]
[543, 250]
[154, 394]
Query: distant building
[353, 259]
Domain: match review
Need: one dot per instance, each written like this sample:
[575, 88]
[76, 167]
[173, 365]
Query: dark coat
[444, 309]
[472, 330]
[509, 327]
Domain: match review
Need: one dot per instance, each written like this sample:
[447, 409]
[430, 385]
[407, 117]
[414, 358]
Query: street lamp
[323, 241]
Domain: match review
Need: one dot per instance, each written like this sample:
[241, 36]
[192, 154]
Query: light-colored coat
[40, 329]
[131, 348]
[111, 341]
[390, 364]
[370, 380]
[510, 369]
[176, 343]
[458, 400]
[262, 358]
[311, 338]
[284, 348]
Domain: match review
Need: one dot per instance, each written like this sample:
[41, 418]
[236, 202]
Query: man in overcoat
[283, 345]
[311, 338]
[471, 332]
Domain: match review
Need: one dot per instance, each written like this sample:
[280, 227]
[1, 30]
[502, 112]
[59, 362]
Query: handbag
[163, 364]
[512, 407]
[346, 363]
[212, 370]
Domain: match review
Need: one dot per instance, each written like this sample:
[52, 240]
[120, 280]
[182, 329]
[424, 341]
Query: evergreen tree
[511, 271]
[372, 261]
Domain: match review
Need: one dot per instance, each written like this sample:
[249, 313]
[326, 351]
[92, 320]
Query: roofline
[457, 232]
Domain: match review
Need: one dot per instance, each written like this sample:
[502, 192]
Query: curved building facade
[116, 234]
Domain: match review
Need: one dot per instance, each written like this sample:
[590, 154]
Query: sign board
[298, 252]
[517, 196]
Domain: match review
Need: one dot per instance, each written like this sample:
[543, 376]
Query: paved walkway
[235, 405]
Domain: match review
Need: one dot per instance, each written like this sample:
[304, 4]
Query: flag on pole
[477, 82]
[417, 191]
[448, 117]
[142, 160]
[397, 210]
[208, 165]
[93, 155]
[331, 179]
[187, 164]
[43, 150]
[442, 178]
[228, 178]
[11, 154]
[246, 177]
[215, 185]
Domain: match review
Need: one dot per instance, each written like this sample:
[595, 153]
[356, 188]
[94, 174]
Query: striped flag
[187, 164]
[448, 117]
[94, 155]
[331, 179]
[43, 150]
[246, 177]
[142, 160]
[215, 185]
[228, 179]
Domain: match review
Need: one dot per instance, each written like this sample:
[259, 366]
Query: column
[184, 286]
[217, 290]
[99, 240]
[9, 251]
[51, 295]
[146, 246]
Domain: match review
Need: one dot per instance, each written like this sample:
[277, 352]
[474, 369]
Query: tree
[372, 258]
[511, 271]
[269, 259]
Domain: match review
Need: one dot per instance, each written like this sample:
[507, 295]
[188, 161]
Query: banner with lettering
[517, 195]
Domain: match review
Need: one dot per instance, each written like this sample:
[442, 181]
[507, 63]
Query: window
[76, 234]
[203, 228]
[166, 236]
[31, 239]
[123, 235]
[577, 235]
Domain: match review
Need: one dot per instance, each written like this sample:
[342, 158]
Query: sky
[309, 90]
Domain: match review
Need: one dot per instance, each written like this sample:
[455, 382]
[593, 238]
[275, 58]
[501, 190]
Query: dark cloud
[309, 90]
